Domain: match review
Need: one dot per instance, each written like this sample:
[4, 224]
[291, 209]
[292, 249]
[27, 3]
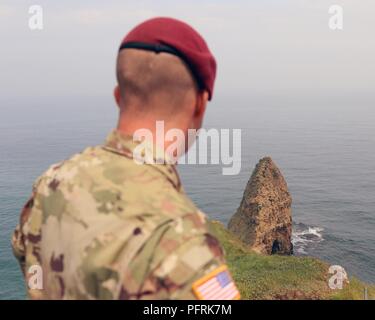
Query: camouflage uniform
[103, 227]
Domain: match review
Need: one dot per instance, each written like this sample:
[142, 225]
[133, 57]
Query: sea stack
[264, 218]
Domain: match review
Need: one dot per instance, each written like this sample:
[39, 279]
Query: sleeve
[18, 243]
[18, 240]
[189, 264]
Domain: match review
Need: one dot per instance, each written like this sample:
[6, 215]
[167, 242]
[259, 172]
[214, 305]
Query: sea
[325, 151]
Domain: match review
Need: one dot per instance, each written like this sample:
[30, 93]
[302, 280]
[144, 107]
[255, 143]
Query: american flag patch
[217, 285]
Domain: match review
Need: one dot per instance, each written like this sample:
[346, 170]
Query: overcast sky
[263, 47]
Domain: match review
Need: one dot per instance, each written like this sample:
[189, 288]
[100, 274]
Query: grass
[282, 277]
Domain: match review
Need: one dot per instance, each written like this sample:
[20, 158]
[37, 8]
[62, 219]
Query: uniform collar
[124, 145]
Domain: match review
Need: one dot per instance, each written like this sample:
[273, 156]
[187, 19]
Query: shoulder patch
[217, 285]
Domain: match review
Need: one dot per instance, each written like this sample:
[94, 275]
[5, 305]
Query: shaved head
[158, 83]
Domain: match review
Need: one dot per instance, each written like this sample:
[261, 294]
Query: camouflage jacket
[101, 226]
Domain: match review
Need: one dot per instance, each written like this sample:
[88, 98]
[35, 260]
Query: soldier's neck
[161, 133]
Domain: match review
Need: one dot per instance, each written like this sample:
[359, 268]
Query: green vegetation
[282, 277]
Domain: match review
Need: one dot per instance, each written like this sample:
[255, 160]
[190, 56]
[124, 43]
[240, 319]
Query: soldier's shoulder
[70, 167]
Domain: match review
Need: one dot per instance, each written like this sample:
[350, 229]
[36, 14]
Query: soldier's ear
[200, 108]
[117, 95]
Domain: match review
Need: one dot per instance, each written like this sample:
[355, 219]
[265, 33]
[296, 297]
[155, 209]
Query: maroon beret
[178, 38]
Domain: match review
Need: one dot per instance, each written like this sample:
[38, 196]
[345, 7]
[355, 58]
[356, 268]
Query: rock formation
[263, 221]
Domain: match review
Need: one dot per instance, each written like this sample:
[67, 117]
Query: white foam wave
[305, 236]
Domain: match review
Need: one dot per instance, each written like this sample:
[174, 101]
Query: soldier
[101, 226]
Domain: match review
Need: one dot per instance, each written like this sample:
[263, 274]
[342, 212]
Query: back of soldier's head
[158, 83]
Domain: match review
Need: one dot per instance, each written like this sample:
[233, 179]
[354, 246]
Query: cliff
[263, 220]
